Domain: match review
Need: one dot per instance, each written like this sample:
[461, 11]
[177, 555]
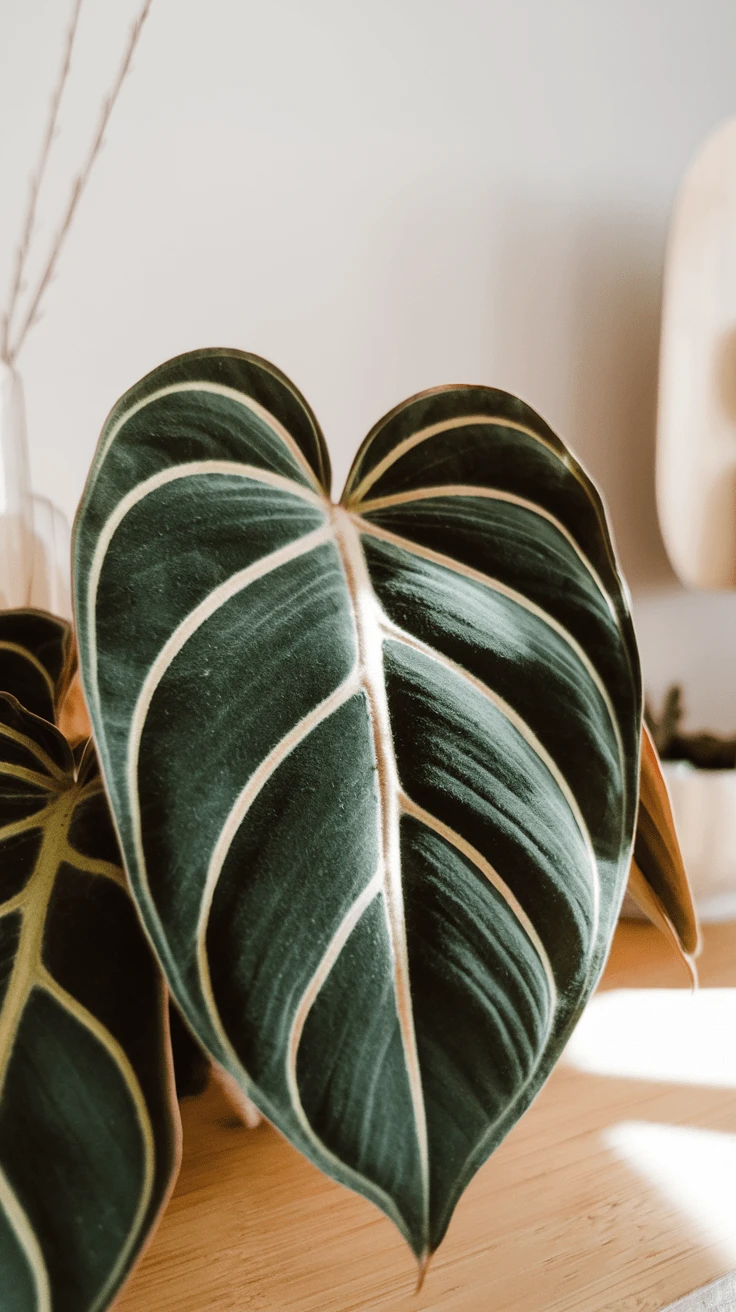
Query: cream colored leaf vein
[12, 904]
[349, 688]
[197, 468]
[491, 874]
[168, 653]
[34, 821]
[485, 1145]
[32, 660]
[91, 866]
[268, 368]
[27, 776]
[90, 790]
[57, 771]
[478, 576]
[344, 1172]
[34, 904]
[121, 1060]
[367, 616]
[466, 490]
[244, 802]
[238, 812]
[308, 998]
[397, 634]
[231, 394]
[29, 973]
[33, 901]
[445, 426]
[26, 1236]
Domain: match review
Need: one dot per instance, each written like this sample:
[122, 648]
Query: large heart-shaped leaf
[88, 1131]
[374, 766]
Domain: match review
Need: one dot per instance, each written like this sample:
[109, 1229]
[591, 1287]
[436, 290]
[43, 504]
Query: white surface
[719, 1296]
[381, 197]
[671, 1037]
[675, 1036]
[692, 1169]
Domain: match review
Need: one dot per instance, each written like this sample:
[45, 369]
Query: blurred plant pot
[704, 807]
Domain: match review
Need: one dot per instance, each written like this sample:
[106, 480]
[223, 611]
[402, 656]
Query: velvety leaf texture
[88, 1129]
[374, 766]
[37, 659]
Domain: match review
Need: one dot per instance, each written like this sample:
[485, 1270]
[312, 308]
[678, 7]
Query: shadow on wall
[578, 297]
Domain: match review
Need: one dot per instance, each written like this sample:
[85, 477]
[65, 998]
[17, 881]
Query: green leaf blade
[221, 374]
[51, 1131]
[88, 1128]
[36, 659]
[484, 1010]
[25, 1279]
[378, 805]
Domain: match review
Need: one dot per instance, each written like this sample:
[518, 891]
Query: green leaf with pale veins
[37, 659]
[374, 766]
[88, 1124]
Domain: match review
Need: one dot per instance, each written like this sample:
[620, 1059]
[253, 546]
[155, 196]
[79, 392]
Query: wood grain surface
[556, 1221]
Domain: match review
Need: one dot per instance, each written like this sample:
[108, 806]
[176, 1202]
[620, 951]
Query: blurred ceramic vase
[34, 534]
[704, 806]
[16, 515]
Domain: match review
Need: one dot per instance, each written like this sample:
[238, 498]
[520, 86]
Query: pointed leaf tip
[422, 1269]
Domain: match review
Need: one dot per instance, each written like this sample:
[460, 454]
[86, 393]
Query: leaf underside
[88, 1140]
[374, 766]
[658, 880]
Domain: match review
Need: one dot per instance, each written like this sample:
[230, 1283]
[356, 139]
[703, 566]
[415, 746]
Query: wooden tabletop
[612, 1194]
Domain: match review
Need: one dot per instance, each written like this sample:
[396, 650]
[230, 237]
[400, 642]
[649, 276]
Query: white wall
[380, 196]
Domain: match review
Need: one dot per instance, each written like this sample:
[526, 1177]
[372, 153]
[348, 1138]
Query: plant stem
[35, 185]
[79, 184]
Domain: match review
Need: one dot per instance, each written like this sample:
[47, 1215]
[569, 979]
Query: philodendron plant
[373, 768]
[89, 1138]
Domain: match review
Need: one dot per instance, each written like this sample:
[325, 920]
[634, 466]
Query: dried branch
[80, 183]
[36, 181]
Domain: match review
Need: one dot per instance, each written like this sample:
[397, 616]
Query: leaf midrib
[29, 972]
[366, 615]
[34, 907]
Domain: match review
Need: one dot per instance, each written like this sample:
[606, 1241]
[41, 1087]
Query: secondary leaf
[88, 1129]
[37, 659]
[658, 881]
[374, 766]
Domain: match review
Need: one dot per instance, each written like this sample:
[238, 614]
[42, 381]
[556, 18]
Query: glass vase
[16, 515]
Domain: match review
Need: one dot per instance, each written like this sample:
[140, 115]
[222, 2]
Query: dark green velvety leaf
[36, 659]
[191, 1063]
[88, 1128]
[374, 766]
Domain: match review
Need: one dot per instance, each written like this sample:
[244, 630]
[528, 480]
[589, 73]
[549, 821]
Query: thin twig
[36, 181]
[80, 182]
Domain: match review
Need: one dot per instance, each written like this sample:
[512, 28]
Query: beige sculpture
[696, 425]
